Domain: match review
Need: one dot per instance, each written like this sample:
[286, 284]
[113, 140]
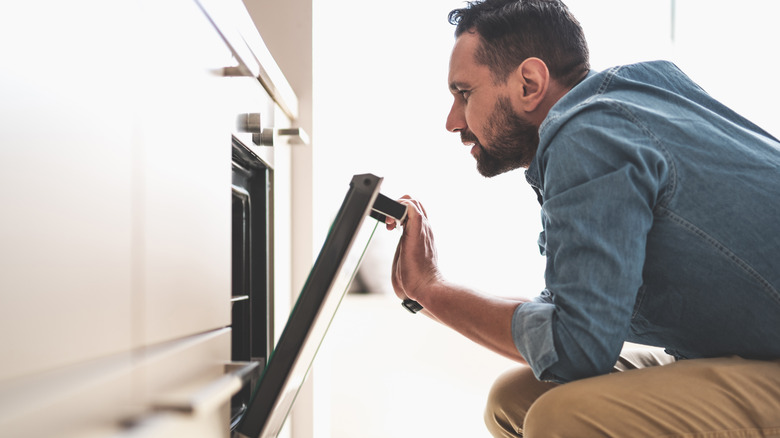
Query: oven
[252, 298]
[263, 109]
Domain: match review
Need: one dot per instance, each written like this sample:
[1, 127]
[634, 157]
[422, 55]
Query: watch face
[315, 307]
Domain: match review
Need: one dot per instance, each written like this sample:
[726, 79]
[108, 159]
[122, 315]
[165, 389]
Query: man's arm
[484, 319]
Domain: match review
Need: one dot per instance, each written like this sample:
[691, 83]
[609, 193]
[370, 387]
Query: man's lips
[468, 140]
[471, 141]
[474, 148]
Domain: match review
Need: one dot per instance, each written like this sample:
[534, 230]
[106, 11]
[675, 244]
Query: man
[661, 226]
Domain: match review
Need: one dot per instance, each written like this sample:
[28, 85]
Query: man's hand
[415, 265]
[483, 319]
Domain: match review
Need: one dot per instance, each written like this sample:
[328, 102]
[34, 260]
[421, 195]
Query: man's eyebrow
[457, 85]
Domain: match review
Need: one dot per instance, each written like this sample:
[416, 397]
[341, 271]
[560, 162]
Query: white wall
[730, 49]
[725, 46]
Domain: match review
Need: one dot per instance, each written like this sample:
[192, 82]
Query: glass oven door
[328, 281]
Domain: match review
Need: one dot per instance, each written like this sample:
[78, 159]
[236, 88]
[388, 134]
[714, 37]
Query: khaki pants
[712, 398]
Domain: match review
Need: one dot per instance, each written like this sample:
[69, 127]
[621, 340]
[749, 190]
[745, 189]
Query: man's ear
[531, 80]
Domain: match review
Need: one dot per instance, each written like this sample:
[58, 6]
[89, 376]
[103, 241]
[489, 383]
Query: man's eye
[464, 94]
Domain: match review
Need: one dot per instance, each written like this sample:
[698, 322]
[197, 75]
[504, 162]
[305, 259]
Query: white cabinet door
[184, 204]
[66, 165]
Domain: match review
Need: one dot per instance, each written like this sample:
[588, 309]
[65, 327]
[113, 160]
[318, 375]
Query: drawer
[176, 384]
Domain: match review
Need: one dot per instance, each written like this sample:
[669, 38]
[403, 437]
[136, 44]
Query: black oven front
[252, 265]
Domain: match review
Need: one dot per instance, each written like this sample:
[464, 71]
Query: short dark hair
[512, 31]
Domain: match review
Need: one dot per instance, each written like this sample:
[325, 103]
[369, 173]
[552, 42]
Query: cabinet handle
[266, 137]
[298, 135]
[213, 394]
[238, 70]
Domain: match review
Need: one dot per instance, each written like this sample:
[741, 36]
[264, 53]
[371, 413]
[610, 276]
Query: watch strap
[412, 305]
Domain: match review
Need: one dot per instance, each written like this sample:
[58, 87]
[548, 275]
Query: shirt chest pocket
[542, 242]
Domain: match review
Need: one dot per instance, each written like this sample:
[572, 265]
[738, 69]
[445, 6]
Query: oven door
[316, 305]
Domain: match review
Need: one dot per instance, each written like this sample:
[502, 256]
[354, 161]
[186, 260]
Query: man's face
[483, 114]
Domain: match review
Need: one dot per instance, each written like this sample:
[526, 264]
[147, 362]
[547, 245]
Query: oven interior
[252, 266]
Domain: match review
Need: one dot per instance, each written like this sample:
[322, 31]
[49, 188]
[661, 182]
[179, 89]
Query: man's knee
[560, 411]
[509, 399]
[608, 405]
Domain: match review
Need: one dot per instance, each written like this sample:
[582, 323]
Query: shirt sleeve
[602, 176]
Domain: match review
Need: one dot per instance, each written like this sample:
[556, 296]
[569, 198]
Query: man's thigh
[721, 397]
[517, 389]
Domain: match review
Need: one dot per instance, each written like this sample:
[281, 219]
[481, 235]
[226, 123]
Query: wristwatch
[412, 305]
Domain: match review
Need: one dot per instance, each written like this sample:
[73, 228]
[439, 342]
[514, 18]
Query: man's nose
[456, 120]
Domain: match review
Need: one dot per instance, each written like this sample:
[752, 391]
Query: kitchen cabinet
[115, 189]
[66, 169]
[183, 180]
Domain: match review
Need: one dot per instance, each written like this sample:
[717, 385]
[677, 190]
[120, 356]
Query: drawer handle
[213, 394]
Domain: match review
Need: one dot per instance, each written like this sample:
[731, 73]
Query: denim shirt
[661, 226]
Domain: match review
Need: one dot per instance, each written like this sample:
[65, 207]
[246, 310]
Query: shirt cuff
[532, 332]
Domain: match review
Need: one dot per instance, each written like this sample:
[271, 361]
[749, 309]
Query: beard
[511, 141]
